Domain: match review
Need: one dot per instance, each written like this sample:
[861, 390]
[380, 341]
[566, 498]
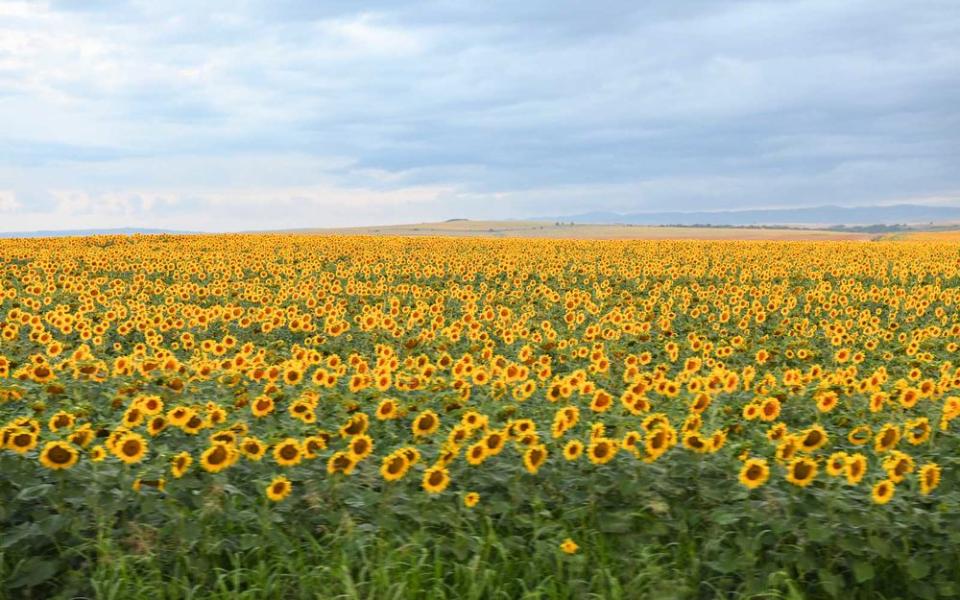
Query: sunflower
[180, 463]
[178, 416]
[886, 438]
[426, 423]
[279, 488]
[292, 375]
[856, 468]
[477, 453]
[360, 447]
[521, 428]
[42, 373]
[98, 453]
[827, 401]
[718, 440]
[474, 420]
[602, 450]
[917, 431]
[412, 454]
[909, 397]
[787, 448]
[769, 409]
[601, 402]
[61, 420]
[898, 465]
[495, 442]
[133, 417]
[303, 411]
[837, 464]
[58, 455]
[860, 435]
[700, 403]
[262, 406]
[340, 462]
[252, 448]
[387, 409]
[394, 466]
[777, 432]
[158, 484]
[22, 441]
[226, 436]
[570, 415]
[597, 430]
[313, 445]
[458, 435]
[630, 442]
[156, 425]
[754, 473]
[929, 478]
[287, 452]
[883, 491]
[813, 438]
[534, 457]
[692, 423]
[82, 436]
[877, 400]
[130, 448]
[150, 405]
[356, 425]
[572, 450]
[435, 480]
[568, 546]
[218, 457]
[801, 471]
[194, 424]
[655, 421]
[657, 444]
[692, 440]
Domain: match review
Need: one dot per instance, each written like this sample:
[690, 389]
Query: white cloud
[8, 201]
[228, 113]
[365, 35]
[231, 209]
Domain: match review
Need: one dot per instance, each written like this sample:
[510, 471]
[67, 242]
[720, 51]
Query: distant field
[534, 229]
[932, 236]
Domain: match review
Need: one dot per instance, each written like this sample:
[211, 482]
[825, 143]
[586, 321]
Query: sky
[244, 115]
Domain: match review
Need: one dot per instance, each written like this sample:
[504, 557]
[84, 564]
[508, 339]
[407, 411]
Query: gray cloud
[483, 109]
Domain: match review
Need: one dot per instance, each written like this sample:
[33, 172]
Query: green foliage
[657, 532]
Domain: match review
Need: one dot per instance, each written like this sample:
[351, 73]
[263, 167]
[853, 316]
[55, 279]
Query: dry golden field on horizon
[535, 229]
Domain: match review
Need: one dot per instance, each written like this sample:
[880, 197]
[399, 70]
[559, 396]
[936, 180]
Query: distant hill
[906, 214]
[83, 232]
[555, 230]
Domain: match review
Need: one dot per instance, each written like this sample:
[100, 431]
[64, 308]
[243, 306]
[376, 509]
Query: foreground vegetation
[293, 416]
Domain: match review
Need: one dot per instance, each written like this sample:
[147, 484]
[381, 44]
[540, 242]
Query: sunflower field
[285, 416]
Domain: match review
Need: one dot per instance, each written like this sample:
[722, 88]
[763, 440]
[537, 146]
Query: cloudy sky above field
[251, 115]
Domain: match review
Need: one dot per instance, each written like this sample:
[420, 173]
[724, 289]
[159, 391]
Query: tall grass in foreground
[668, 531]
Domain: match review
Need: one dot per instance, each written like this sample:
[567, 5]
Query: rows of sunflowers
[643, 389]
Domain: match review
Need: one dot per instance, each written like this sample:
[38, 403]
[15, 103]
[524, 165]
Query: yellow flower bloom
[59, 455]
[279, 488]
[883, 491]
[435, 480]
[754, 473]
[568, 546]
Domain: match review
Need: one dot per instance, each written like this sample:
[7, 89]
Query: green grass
[677, 532]
[353, 561]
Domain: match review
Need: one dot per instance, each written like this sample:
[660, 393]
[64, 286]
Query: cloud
[8, 201]
[145, 112]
